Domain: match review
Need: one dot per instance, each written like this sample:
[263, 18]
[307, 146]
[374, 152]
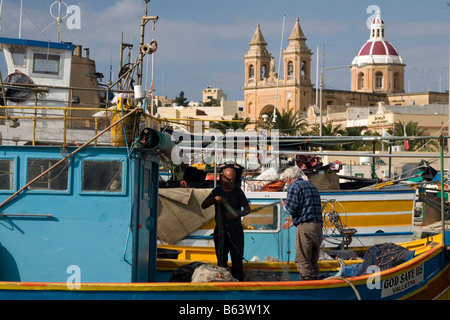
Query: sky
[203, 43]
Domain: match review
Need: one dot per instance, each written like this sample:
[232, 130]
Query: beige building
[183, 118]
[432, 117]
[211, 93]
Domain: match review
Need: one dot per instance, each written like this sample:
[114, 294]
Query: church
[377, 78]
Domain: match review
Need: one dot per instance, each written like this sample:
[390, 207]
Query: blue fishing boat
[373, 215]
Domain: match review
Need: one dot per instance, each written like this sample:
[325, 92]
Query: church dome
[377, 50]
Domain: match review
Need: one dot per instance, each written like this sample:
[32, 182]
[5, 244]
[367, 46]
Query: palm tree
[223, 126]
[353, 132]
[327, 130]
[288, 123]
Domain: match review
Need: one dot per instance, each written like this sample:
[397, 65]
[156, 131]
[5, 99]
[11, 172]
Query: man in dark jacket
[228, 233]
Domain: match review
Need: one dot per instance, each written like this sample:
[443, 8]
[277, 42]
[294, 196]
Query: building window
[103, 176]
[46, 63]
[290, 68]
[303, 69]
[379, 80]
[396, 81]
[263, 72]
[360, 81]
[55, 179]
[251, 71]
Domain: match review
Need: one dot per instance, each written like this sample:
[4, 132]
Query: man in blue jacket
[304, 205]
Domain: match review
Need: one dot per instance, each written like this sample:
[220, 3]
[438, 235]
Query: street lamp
[321, 87]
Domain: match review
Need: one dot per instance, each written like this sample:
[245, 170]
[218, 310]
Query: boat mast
[20, 19]
[144, 21]
[1, 9]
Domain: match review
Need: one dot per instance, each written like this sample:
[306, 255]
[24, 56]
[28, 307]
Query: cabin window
[6, 174]
[46, 63]
[18, 56]
[263, 219]
[105, 176]
[55, 179]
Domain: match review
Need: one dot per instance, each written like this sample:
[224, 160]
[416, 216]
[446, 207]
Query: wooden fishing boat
[374, 215]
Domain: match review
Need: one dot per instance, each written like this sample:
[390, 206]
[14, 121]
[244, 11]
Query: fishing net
[210, 273]
[383, 256]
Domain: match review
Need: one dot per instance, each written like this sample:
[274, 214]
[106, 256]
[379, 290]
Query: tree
[223, 126]
[181, 100]
[288, 123]
[412, 129]
[327, 130]
[212, 103]
[353, 132]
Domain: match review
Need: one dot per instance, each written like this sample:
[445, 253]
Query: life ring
[17, 94]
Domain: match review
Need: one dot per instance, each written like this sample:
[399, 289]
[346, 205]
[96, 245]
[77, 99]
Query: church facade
[264, 89]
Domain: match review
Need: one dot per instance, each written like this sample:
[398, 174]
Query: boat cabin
[91, 219]
[48, 87]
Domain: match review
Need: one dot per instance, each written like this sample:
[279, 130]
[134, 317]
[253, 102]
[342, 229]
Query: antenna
[274, 118]
[58, 18]
[1, 9]
[20, 19]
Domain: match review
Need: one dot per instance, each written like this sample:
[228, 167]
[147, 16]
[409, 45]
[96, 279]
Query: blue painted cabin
[92, 217]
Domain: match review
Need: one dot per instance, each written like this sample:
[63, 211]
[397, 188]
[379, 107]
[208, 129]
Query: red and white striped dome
[377, 50]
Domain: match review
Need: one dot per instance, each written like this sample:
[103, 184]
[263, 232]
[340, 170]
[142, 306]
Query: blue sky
[203, 43]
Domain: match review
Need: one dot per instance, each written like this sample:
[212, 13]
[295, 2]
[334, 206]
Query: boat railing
[58, 107]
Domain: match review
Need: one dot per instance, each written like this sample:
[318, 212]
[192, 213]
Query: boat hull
[426, 276]
[378, 216]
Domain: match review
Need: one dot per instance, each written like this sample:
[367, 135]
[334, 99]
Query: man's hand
[212, 201]
[288, 224]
